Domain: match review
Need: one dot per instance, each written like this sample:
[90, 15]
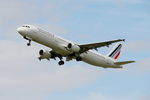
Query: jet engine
[73, 47]
[44, 55]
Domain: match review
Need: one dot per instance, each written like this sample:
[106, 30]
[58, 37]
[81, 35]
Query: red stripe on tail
[117, 55]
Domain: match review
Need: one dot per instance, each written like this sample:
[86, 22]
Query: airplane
[62, 48]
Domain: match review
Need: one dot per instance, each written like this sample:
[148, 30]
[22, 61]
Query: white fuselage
[59, 44]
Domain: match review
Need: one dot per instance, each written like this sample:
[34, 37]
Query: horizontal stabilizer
[124, 62]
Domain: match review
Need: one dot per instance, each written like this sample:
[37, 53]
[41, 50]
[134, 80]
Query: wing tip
[122, 40]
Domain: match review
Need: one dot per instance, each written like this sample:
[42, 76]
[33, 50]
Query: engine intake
[41, 52]
[69, 45]
[73, 47]
[45, 55]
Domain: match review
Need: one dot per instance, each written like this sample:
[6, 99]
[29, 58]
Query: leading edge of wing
[86, 47]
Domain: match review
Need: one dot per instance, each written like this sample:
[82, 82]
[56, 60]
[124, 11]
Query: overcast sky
[23, 77]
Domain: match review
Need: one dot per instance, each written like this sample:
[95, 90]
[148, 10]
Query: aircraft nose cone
[21, 30]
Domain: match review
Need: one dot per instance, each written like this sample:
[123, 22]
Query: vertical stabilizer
[115, 52]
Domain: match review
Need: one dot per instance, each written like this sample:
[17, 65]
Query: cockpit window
[26, 26]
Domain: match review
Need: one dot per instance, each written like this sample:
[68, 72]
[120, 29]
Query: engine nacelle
[73, 47]
[45, 55]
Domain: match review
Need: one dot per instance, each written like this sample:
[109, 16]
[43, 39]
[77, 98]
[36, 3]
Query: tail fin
[115, 52]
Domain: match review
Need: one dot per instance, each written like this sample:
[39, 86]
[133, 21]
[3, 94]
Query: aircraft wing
[86, 47]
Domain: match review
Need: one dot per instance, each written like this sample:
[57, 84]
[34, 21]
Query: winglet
[123, 40]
